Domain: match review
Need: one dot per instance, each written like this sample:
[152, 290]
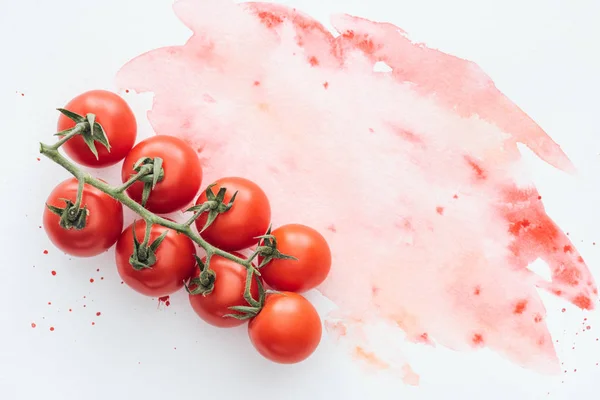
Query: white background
[542, 54]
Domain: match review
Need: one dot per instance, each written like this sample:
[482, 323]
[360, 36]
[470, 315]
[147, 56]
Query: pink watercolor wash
[413, 175]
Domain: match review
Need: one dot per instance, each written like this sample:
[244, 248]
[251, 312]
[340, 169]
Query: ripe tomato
[229, 285]
[103, 223]
[237, 228]
[182, 173]
[287, 330]
[174, 261]
[117, 119]
[311, 268]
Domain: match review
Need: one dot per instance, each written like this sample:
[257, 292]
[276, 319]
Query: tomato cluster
[232, 216]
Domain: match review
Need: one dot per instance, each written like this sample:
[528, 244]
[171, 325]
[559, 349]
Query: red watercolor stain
[53, 273]
[495, 232]
[45, 251]
[51, 329]
[33, 325]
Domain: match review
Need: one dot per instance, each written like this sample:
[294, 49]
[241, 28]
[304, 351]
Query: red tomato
[287, 330]
[311, 268]
[229, 285]
[182, 173]
[238, 227]
[103, 224]
[117, 119]
[175, 261]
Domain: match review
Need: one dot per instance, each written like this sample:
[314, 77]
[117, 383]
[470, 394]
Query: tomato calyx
[90, 130]
[267, 249]
[214, 204]
[150, 172]
[144, 255]
[204, 283]
[71, 216]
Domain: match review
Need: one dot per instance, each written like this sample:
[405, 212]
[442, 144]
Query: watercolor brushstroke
[413, 175]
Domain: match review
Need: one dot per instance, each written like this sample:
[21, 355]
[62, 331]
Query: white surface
[541, 54]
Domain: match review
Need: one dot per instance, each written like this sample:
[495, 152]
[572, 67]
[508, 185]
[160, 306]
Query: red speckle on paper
[97, 269]
[45, 251]
[587, 328]
[70, 310]
[49, 303]
[38, 159]
[101, 278]
[91, 280]
[33, 325]
[51, 329]
[53, 273]
[93, 323]
[165, 300]
[443, 130]
[564, 310]
[98, 313]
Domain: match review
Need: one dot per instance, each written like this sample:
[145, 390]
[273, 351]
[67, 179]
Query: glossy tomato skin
[287, 330]
[103, 224]
[175, 261]
[311, 268]
[237, 228]
[117, 119]
[182, 178]
[228, 291]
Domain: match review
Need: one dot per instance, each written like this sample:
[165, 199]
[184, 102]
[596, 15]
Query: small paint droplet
[98, 313]
[164, 299]
[97, 269]
[564, 310]
[256, 83]
[84, 305]
[45, 251]
[588, 327]
[53, 273]
[326, 85]
[575, 370]
[51, 329]
[49, 303]
[38, 159]
[439, 210]
[70, 309]
[93, 323]
[101, 278]
[126, 90]
[91, 280]
[121, 282]
[33, 325]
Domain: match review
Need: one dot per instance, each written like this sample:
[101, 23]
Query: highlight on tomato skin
[228, 292]
[115, 116]
[287, 330]
[312, 264]
[248, 218]
[174, 264]
[103, 224]
[182, 173]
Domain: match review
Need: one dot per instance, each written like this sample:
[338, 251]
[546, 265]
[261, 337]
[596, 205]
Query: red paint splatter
[53, 273]
[38, 159]
[51, 329]
[587, 328]
[93, 323]
[91, 280]
[33, 325]
[446, 258]
[326, 85]
[45, 251]
[98, 313]
[49, 303]
[70, 309]
[564, 310]
[439, 210]
[164, 299]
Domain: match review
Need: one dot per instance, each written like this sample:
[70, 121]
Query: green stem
[75, 131]
[79, 193]
[143, 172]
[197, 214]
[147, 234]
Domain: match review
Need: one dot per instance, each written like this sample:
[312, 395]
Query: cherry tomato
[311, 268]
[182, 173]
[229, 285]
[175, 261]
[287, 330]
[103, 223]
[117, 119]
[237, 228]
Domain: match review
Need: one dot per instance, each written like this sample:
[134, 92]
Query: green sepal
[63, 133]
[71, 115]
[144, 256]
[151, 179]
[69, 218]
[216, 205]
[204, 283]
